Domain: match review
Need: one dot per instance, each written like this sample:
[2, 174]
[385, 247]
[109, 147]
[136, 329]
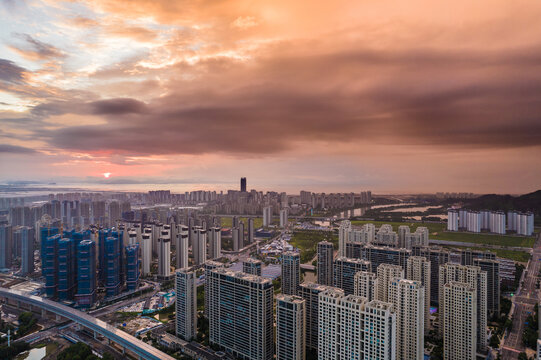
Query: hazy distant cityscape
[246, 274]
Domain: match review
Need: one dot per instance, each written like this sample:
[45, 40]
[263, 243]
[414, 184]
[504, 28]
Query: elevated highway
[129, 343]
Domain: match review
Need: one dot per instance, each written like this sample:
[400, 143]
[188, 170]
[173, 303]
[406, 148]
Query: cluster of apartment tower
[521, 223]
[369, 302]
[75, 264]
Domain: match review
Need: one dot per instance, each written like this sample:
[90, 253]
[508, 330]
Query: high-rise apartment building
[243, 184]
[186, 304]
[291, 273]
[452, 220]
[6, 245]
[403, 230]
[164, 253]
[329, 324]
[241, 314]
[49, 263]
[283, 217]
[199, 246]
[267, 216]
[325, 253]
[290, 328]
[182, 247]
[476, 279]
[67, 269]
[474, 221]
[385, 274]
[386, 236]
[236, 238]
[459, 314]
[365, 285]
[209, 266]
[132, 267]
[113, 263]
[86, 273]
[353, 328]
[242, 244]
[378, 255]
[146, 251]
[524, 223]
[437, 256]
[408, 297]
[251, 230]
[343, 237]
[418, 238]
[252, 266]
[27, 250]
[114, 213]
[492, 268]
[419, 269]
[215, 242]
[310, 293]
[345, 270]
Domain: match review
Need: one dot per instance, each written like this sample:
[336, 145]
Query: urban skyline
[252, 275]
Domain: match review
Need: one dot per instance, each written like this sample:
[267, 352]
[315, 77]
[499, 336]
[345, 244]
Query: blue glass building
[49, 263]
[67, 269]
[112, 271]
[104, 255]
[86, 273]
[102, 261]
[132, 267]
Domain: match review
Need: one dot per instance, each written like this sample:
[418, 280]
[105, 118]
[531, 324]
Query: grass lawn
[227, 222]
[306, 241]
[437, 232]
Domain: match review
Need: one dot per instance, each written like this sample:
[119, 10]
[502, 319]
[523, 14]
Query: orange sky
[344, 95]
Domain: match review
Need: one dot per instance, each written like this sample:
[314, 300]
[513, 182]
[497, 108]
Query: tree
[494, 341]
[79, 351]
[10, 352]
[522, 356]
[26, 321]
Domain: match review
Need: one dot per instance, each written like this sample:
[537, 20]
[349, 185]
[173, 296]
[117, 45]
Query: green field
[227, 222]
[437, 232]
[306, 241]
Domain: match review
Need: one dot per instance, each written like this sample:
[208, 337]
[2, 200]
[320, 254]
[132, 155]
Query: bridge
[123, 339]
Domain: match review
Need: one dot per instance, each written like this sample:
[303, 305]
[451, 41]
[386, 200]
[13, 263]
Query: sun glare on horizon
[106, 175]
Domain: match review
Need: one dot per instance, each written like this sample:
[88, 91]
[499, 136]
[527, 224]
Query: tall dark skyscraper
[325, 275]
[243, 184]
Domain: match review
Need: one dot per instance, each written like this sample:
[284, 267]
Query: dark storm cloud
[118, 106]
[13, 149]
[11, 72]
[416, 97]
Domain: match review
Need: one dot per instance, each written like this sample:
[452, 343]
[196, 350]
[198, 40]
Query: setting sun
[106, 175]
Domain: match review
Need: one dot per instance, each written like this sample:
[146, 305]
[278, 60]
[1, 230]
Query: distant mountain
[528, 202]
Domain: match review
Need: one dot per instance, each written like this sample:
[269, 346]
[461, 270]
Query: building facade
[290, 328]
[186, 304]
[325, 253]
[291, 273]
[241, 314]
[459, 315]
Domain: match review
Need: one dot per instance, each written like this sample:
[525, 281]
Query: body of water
[37, 353]
[414, 209]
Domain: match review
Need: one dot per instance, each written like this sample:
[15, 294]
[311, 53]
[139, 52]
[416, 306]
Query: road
[524, 302]
[114, 307]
